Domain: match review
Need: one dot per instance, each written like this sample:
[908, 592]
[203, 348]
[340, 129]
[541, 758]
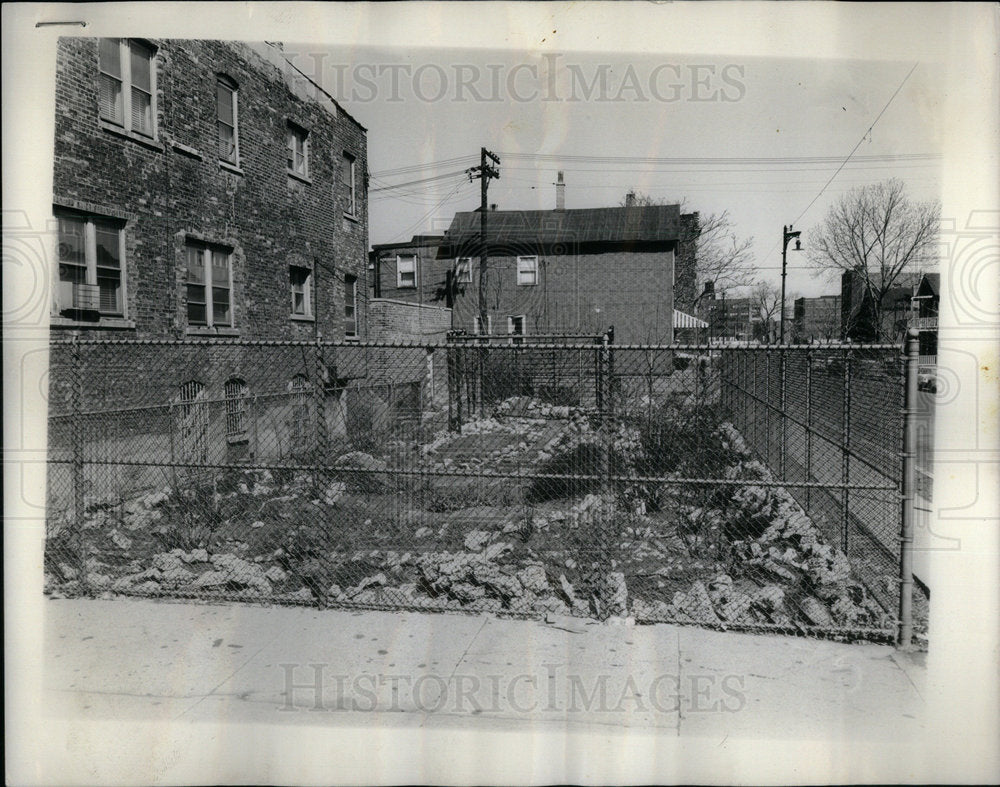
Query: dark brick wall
[395, 321]
[631, 289]
[175, 188]
[431, 274]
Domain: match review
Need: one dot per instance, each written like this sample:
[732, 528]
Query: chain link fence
[735, 487]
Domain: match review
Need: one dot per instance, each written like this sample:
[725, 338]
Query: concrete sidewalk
[159, 661]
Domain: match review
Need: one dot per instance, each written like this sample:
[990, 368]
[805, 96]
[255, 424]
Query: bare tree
[878, 233]
[722, 256]
[765, 300]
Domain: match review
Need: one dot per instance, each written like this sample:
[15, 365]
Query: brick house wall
[585, 292]
[431, 275]
[173, 189]
[165, 191]
[398, 321]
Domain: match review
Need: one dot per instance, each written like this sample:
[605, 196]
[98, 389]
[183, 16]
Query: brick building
[204, 188]
[554, 271]
[858, 321]
[816, 318]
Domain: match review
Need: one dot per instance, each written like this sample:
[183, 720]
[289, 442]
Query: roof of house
[418, 241]
[624, 224]
[930, 284]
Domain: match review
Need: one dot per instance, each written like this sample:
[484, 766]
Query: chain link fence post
[907, 487]
[79, 500]
[845, 452]
[782, 357]
[808, 430]
[319, 393]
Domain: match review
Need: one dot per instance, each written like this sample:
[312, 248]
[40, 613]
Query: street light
[786, 235]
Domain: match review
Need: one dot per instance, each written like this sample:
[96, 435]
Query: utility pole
[786, 235]
[484, 172]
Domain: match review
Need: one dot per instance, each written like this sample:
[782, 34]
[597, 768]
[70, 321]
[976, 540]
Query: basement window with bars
[127, 94]
[237, 393]
[91, 277]
[209, 286]
[227, 108]
[299, 421]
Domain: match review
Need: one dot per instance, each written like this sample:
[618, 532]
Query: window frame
[350, 164]
[352, 280]
[476, 326]
[294, 131]
[228, 83]
[517, 338]
[237, 397]
[307, 291]
[206, 250]
[300, 391]
[399, 272]
[125, 79]
[533, 271]
[90, 265]
[466, 277]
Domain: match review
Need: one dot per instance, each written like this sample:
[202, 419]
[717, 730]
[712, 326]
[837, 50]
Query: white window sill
[149, 142]
[230, 167]
[302, 317]
[352, 217]
[105, 323]
[527, 284]
[203, 330]
[238, 439]
[352, 338]
[301, 178]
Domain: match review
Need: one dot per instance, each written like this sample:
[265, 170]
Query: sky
[616, 122]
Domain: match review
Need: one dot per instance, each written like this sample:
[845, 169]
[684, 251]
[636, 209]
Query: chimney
[560, 192]
[630, 200]
[493, 206]
[709, 289]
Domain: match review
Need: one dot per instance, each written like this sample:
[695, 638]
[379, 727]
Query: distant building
[816, 319]
[411, 271]
[553, 271]
[729, 318]
[927, 302]
[858, 320]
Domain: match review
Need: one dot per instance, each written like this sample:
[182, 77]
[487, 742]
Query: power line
[863, 136]
[720, 160]
[421, 180]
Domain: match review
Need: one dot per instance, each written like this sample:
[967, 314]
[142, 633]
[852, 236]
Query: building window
[350, 306]
[236, 407]
[193, 422]
[515, 327]
[349, 178]
[463, 270]
[227, 107]
[527, 270]
[91, 267]
[477, 325]
[297, 140]
[299, 428]
[301, 281]
[209, 286]
[406, 270]
[127, 95]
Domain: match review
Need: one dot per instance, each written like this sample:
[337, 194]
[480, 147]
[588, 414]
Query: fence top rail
[522, 343]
